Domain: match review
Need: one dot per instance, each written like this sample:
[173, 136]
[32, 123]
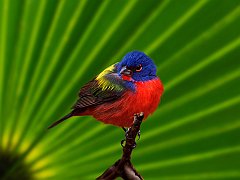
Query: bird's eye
[139, 68]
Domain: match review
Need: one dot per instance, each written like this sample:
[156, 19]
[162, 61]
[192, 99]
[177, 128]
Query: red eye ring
[139, 68]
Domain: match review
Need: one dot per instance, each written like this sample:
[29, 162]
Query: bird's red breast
[120, 112]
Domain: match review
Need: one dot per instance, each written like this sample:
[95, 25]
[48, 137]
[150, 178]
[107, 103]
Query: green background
[50, 48]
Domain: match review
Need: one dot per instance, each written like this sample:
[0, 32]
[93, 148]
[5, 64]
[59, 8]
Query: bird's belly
[121, 112]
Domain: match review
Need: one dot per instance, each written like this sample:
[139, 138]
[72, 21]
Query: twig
[123, 167]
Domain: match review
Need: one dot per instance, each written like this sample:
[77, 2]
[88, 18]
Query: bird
[120, 91]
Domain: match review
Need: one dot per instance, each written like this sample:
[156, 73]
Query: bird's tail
[61, 120]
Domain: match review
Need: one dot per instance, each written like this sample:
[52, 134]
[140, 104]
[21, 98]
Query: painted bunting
[120, 91]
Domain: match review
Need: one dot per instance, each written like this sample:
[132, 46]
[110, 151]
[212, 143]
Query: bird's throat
[127, 78]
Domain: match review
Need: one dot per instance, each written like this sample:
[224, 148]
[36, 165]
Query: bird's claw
[134, 145]
[139, 134]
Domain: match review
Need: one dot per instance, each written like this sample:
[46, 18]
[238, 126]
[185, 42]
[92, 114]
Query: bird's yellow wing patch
[105, 83]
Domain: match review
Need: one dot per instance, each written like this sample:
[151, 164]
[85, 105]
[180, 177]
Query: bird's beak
[126, 72]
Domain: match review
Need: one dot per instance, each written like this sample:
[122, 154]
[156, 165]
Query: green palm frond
[50, 48]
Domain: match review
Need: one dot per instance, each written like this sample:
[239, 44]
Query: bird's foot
[123, 142]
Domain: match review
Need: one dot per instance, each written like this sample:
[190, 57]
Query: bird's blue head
[137, 66]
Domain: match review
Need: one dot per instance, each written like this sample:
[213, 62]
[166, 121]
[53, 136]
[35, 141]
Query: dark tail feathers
[61, 120]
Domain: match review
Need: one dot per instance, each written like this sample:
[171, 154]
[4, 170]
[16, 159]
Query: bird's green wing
[106, 87]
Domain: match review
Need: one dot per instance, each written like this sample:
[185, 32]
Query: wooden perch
[123, 167]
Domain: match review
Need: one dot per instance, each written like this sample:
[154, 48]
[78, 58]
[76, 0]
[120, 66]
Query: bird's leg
[124, 129]
[124, 140]
[126, 133]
